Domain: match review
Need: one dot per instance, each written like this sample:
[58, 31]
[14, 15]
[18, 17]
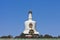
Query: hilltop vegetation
[41, 36]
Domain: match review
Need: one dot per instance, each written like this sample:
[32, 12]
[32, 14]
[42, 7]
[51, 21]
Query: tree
[48, 36]
[58, 36]
[9, 36]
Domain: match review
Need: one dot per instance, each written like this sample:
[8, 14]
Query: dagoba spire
[30, 15]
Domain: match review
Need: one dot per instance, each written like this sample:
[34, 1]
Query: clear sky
[13, 14]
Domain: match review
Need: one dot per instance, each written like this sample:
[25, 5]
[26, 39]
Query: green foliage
[33, 36]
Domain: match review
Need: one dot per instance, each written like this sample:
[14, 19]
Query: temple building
[30, 27]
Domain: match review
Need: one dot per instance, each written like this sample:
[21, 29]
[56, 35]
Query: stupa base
[29, 36]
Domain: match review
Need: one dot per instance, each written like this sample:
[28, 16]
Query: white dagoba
[30, 25]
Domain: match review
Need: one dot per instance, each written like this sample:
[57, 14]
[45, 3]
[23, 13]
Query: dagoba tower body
[30, 27]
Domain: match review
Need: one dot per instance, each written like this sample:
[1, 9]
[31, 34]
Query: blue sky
[13, 14]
